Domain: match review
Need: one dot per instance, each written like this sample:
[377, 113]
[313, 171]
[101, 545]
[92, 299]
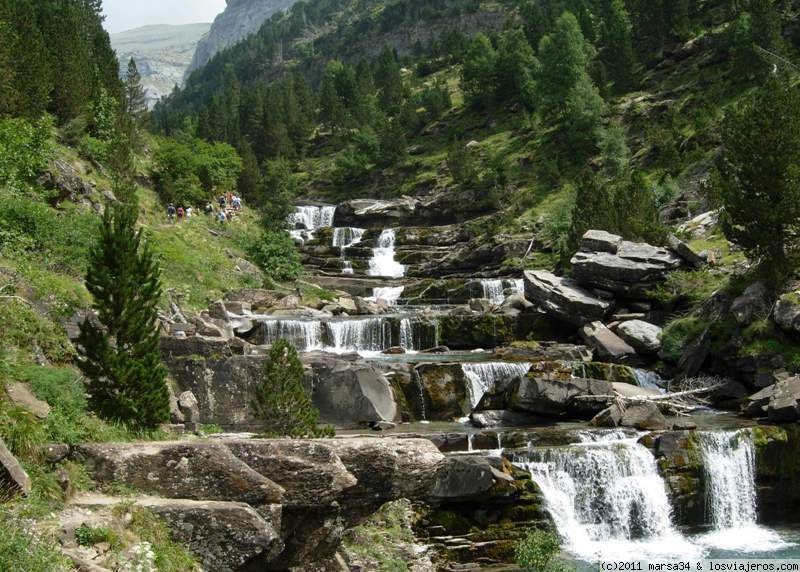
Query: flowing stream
[383, 262]
[482, 377]
[343, 238]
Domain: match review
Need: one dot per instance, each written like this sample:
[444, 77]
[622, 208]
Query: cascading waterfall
[415, 335]
[372, 335]
[481, 377]
[390, 294]
[305, 335]
[493, 290]
[519, 286]
[730, 487]
[383, 262]
[309, 219]
[343, 238]
[406, 335]
[607, 498]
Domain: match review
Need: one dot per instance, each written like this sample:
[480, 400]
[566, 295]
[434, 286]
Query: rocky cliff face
[162, 53]
[240, 19]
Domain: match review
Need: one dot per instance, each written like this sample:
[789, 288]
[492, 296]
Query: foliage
[275, 253]
[479, 71]
[280, 400]
[192, 172]
[538, 551]
[90, 535]
[25, 148]
[760, 188]
[169, 555]
[382, 541]
[678, 334]
[121, 355]
[19, 551]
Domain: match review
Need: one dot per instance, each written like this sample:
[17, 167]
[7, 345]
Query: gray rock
[13, 477]
[645, 417]
[642, 336]
[559, 398]
[631, 271]
[563, 299]
[686, 252]
[224, 535]
[21, 396]
[756, 404]
[784, 404]
[503, 418]
[242, 326]
[754, 303]
[347, 306]
[365, 307]
[605, 342]
[218, 311]
[518, 302]
[700, 225]
[256, 297]
[787, 312]
[608, 417]
[238, 307]
[462, 478]
[600, 241]
[481, 305]
[190, 410]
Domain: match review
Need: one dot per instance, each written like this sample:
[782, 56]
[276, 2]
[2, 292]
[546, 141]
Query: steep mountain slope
[240, 19]
[162, 53]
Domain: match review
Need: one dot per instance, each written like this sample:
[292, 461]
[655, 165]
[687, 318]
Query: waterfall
[607, 498]
[383, 262]
[372, 335]
[406, 335]
[729, 462]
[493, 291]
[417, 335]
[305, 335]
[519, 287]
[417, 378]
[649, 379]
[481, 377]
[391, 294]
[312, 218]
[343, 238]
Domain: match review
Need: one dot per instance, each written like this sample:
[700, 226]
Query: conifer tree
[479, 73]
[120, 354]
[280, 400]
[516, 68]
[135, 101]
[617, 54]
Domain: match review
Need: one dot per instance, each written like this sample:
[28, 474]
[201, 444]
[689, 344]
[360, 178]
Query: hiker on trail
[230, 197]
[189, 212]
[237, 203]
[181, 212]
[209, 209]
[171, 212]
[222, 202]
[222, 217]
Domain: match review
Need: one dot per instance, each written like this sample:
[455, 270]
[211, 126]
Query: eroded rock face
[780, 403]
[629, 271]
[564, 299]
[643, 336]
[12, 476]
[787, 312]
[557, 398]
[606, 343]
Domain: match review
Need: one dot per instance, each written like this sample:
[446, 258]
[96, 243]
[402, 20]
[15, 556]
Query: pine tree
[250, 178]
[759, 187]
[120, 354]
[516, 68]
[478, 74]
[280, 400]
[135, 100]
[617, 54]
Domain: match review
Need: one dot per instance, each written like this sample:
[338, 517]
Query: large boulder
[563, 299]
[571, 398]
[13, 478]
[787, 312]
[20, 395]
[644, 417]
[225, 536]
[503, 418]
[198, 471]
[443, 389]
[643, 336]
[606, 343]
[630, 271]
[784, 404]
[463, 478]
[754, 303]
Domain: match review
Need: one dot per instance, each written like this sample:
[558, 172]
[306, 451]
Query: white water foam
[383, 262]
[391, 294]
[343, 238]
[493, 291]
[481, 377]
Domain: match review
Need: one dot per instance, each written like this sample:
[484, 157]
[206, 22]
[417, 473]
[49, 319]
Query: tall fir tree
[479, 72]
[617, 53]
[280, 400]
[135, 98]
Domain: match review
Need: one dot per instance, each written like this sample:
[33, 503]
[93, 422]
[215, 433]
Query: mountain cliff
[163, 53]
[240, 19]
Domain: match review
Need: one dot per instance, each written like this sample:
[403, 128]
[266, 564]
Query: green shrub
[24, 327]
[169, 556]
[275, 253]
[91, 535]
[94, 149]
[678, 334]
[25, 149]
[18, 551]
[538, 551]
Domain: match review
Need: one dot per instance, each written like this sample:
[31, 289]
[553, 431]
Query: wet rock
[503, 418]
[694, 355]
[605, 342]
[481, 305]
[347, 306]
[563, 298]
[218, 311]
[257, 298]
[645, 417]
[561, 398]
[20, 395]
[444, 390]
[462, 478]
[13, 478]
[784, 404]
[366, 307]
[754, 303]
[517, 302]
[608, 417]
[630, 271]
[642, 336]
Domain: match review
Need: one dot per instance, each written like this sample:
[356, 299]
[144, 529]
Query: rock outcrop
[283, 502]
[13, 478]
[564, 299]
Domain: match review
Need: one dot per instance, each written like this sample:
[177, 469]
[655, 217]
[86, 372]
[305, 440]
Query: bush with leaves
[281, 401]
[25, 148]
[275, 253]
[538, 552]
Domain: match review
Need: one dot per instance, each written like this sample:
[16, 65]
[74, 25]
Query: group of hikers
[229, 205]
